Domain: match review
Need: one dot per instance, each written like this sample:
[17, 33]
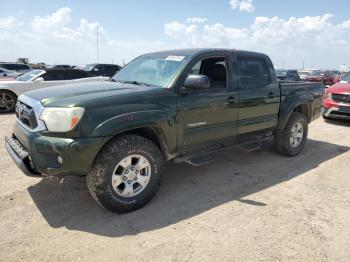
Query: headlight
[60, 119]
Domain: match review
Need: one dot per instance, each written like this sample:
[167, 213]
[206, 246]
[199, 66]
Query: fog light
[60, 160]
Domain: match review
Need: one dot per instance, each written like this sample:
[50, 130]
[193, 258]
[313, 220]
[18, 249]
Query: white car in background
[10, 90]
[4, 73]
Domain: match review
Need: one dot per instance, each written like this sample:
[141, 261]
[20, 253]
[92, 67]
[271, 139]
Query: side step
[200, 159]
[250, 147]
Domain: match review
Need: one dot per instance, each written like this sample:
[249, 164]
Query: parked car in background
[61, 67]
[20, 68]
[179, 105]
[10, 90]
[289, 75]
[337, 100]
[102, 69]
[327, 77]
[303, 74]
[4, 73]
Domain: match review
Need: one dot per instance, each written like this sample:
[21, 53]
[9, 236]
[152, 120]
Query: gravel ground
[255, 206]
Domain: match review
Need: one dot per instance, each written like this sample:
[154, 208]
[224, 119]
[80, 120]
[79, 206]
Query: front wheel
[7, 101]
[291, 140]
[126, 173]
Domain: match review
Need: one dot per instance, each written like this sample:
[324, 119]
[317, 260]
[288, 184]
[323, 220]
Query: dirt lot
[243, 207]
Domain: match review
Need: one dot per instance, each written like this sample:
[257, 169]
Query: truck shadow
[186, 191]
[338, 122]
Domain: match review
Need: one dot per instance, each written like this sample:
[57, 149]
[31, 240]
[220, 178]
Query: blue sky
[291, 32]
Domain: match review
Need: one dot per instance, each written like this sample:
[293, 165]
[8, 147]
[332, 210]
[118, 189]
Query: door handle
[231, 100]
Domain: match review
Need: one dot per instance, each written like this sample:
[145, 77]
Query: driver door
[208, 117]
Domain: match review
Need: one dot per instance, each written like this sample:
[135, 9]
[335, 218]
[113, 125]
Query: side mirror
[39, 79]
[194, 82]
[96, 69]
[4, 74]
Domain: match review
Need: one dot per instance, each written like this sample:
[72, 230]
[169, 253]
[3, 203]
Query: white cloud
[59, 18]
[314, 39]
[242, 5]
[8, 26]
[9, 23]
[195, 20]
[54, 39]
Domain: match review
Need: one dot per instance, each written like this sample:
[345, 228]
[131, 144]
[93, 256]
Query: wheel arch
[3, 90]
[10, 91]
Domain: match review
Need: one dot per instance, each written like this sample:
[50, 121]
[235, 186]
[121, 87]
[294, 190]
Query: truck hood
[90, 94]
[339, 88]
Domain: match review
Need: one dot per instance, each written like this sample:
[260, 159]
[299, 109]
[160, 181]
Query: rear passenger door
[259, 95]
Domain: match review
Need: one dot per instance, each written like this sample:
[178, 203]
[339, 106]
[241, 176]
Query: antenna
[98, 55]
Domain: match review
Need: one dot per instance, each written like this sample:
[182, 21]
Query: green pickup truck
[180, 106]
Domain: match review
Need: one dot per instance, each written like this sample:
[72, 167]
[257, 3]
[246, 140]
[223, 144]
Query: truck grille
[341, 98]
[26, 115]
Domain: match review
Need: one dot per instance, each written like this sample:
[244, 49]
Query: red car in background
[337, 100]
[327, 77]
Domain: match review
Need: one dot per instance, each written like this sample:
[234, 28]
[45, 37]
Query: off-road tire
[99, 179]
[282, 138]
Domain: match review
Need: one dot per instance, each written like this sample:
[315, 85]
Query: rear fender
[291, 104]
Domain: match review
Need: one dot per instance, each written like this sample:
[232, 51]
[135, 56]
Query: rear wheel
[126, 173]
[291, 140]
[7, 101]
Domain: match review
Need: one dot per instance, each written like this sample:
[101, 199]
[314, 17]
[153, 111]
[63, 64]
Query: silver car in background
[4, 73]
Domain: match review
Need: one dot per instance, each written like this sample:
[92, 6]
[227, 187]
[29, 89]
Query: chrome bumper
[334, 112]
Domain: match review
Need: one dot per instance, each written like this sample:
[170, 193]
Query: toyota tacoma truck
[180, 106]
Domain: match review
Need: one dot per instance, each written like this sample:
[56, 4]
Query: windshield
[29, 75]
[152, 69]
[317, 73]
[88, 67]
[346, 78]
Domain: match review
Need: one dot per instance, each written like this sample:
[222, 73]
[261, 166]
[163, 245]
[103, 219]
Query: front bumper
[35, 153]
[334, 112]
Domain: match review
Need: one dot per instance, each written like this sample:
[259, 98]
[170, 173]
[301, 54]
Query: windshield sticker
[175, 58]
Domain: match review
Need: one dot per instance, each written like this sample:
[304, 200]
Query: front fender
[159, 120]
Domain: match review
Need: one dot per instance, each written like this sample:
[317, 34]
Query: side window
[23, 67]
[214, 68]
[76, 74]
[253, 71]
[56, 75]
[111, 70]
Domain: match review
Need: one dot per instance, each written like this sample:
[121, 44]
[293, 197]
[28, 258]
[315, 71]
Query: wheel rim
[296, 135]
[131, 175]
[7, 102]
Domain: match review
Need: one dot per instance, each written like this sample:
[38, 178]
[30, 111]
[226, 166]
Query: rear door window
[253, 71]
[57, 75]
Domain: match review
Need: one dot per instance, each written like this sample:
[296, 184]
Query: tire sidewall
[297, 118]
[14, 104]
[107, 197]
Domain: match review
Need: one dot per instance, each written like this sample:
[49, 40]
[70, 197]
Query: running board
[200, 160]
[251, 147]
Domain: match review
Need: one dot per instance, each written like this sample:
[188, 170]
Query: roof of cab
[200, 51]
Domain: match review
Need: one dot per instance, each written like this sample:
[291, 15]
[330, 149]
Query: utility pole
[303, 65]
[98, 55]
